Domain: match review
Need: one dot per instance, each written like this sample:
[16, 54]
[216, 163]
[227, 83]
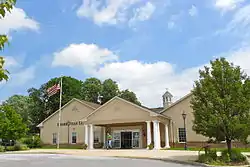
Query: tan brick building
[131, 126]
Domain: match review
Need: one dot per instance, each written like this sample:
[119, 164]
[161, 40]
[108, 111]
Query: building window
[54, 136]
[73, 137]
[182, 135]
[96, 138]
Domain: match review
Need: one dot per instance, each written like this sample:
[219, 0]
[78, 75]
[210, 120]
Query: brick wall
[213, 145]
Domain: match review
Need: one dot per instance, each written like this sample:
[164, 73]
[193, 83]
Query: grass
[62, 147]
[220, 163]
[218, 149]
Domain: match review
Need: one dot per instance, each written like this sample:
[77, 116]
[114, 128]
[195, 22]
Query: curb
[165, 160]
[179, 161]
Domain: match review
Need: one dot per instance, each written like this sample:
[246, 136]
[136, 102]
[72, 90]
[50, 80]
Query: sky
[147, 46]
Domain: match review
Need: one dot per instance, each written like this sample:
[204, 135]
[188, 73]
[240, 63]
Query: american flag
[53, 90]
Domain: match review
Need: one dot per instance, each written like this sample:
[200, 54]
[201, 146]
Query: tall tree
[21, 104]
[110, 89]
[5, 6]
[44, 106]
[129, 96]
[221, 102]
[11, 124]
[91, 88]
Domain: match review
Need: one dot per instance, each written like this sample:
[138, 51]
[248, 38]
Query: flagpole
[59, 119]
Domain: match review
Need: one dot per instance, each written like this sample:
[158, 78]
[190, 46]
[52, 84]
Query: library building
[131, 126]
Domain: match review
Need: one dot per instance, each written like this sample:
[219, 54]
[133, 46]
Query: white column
[149, 139]
[104, 137]
[86, 135]
[166, 137]
[91, 137]
[157, 137]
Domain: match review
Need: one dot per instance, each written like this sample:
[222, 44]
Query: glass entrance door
[117, 139]
[136, 140]
[126, 140]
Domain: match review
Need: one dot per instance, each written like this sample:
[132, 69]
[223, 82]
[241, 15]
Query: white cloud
[10, 62]
[147, 80]
[16, 20]
[85, 56]
[115, 11]
[22, 77]
[226, 5]
[240, 23]
[193, 11]
[241, 57]
[143, 13]
[150, 80]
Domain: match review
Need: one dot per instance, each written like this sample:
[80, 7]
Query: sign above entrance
[71, 123]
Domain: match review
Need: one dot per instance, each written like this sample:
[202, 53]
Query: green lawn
[62, 147]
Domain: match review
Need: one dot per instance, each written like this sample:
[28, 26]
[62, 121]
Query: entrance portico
[130, 125]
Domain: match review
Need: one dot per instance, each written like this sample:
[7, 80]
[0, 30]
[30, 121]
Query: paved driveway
[56, 160]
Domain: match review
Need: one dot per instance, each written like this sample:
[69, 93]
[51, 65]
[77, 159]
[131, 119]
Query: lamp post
[184, 115]
[68, 124]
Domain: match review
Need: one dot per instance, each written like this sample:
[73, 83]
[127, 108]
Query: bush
[205, 158]
[10, 148]
[32, 141]
[225, 157]
[151, 146]
[211, 157]
[208, 157]
[20, 147]
[235, 156]
[17, 147]
[2, 149]
[85, 146]
[212, 154]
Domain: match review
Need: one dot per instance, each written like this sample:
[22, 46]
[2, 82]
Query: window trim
[54, 135]
[96, 137]
[179, 135]
[73, 136]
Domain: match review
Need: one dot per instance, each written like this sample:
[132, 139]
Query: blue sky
[145, 45]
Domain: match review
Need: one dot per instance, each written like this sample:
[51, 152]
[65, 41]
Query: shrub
[205, 158]
[20, 147]
[2, 149]
[212, 154]
[225, 157]
[235, 155]
[208, 157]
[85, 146]
[32, 141]
[10, 148]
[151, 146]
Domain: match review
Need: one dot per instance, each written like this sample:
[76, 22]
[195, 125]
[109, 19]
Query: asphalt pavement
[56, 160]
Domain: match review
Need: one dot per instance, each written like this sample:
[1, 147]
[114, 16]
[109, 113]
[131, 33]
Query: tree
[11, 124]
[21, 104]
[110, 89]
[221, 102]
[44, 106]
[5, 6]
[91, 88]
[129, 96]
[3, 72]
